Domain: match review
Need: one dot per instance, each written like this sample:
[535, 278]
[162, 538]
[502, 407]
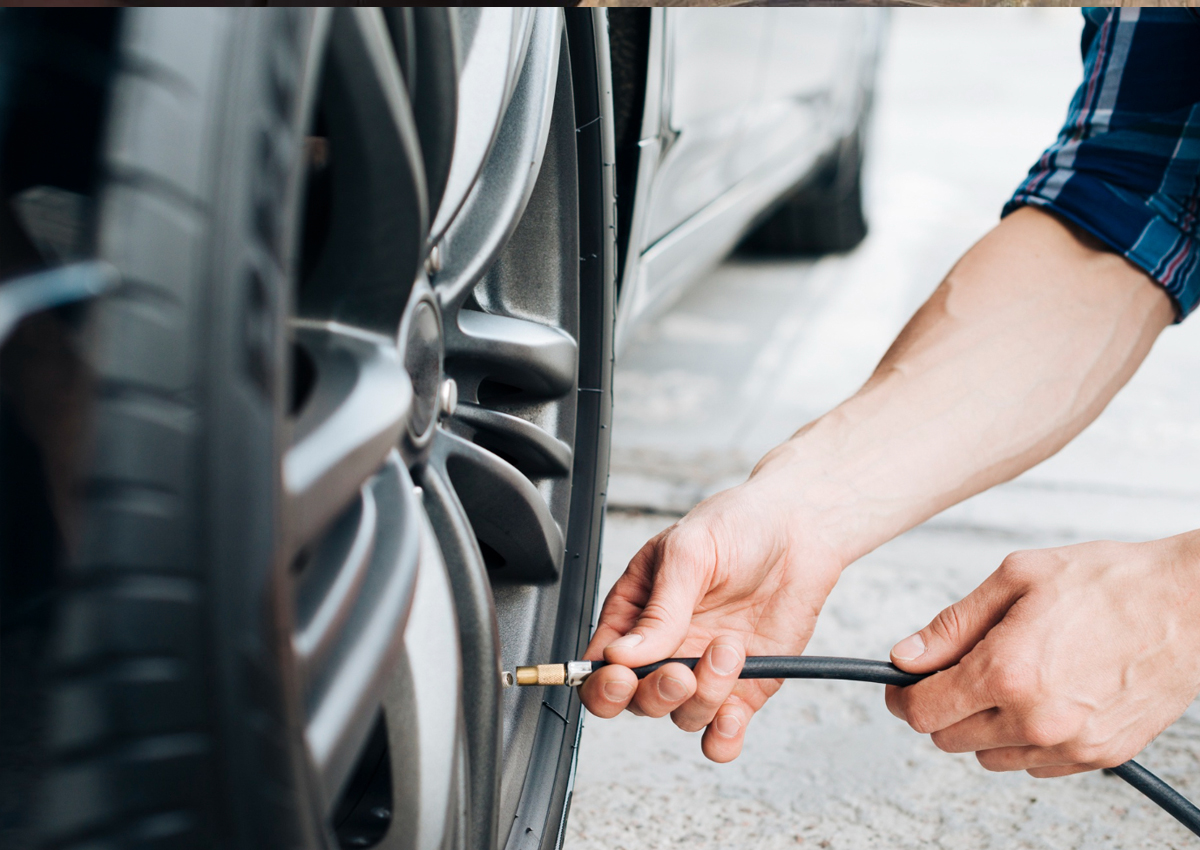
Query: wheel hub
[423, 347]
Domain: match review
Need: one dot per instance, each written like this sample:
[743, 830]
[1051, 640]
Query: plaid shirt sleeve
[1126, 165]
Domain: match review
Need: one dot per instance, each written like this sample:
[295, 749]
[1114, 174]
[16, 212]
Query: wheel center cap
[423, 360]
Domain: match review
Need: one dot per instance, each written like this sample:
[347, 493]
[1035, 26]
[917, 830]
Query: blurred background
[966, 101]
[1043, 3]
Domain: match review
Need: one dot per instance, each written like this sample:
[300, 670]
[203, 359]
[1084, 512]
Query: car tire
[273, 451]
[824, 215]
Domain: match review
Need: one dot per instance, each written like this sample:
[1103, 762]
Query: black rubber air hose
[802, 667]
[884, 673]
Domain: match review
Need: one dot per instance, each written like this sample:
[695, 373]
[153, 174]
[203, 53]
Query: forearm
[1021, 346]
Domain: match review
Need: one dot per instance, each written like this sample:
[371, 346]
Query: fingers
[612, 689]
[667, 578]
[722, 741]
[1046, 761]
[1051, 772]
[664, 690]
[984, 730]
[999, 743]
[942, 700]
[608, 691]
[716, 675]
[624, 602]
[957, 693]
[956, 630]
[694, 699]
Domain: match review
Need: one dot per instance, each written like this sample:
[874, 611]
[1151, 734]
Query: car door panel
[811, 83]
[740, 107]
[713, 65]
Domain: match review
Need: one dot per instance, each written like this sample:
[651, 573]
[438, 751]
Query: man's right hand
[738, 575]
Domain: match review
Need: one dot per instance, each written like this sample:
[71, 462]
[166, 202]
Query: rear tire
[824, 215]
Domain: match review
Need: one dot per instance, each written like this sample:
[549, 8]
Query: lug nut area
[448, 397]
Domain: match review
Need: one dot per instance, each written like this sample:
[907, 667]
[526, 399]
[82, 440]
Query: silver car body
[740, 105]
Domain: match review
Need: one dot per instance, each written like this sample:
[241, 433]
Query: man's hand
[738, 575]
[1022, 345]
[1068, 659]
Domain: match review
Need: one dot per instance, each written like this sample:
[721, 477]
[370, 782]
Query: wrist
[802, 481]
[1181, 559]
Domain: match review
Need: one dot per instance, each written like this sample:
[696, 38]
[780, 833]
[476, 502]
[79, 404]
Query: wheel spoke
[486, 37]
[435, 100]
[332, 584]
[359, 649]
[365, 33]
[480, 650]
[532, 450]
[536, 359]
[367, 211]
[492, 209]
[424, 711]
[357, 409]
[519, 537]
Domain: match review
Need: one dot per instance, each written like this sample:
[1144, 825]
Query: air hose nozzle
[572, 673]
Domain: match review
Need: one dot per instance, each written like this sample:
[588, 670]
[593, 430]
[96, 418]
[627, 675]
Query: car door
[812, 78]
[713, 64]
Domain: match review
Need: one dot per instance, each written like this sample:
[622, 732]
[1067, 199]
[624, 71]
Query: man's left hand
[1064, 660]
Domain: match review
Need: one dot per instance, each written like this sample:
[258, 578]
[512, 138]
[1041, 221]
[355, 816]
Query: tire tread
[129, 728]
[824, 214]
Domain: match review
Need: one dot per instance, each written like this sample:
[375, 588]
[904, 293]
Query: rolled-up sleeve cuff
[1143, 230]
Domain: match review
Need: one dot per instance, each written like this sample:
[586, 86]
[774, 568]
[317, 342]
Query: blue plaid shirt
[1126, 165]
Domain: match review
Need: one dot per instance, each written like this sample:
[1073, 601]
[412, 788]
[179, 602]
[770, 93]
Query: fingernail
[910, 648]
[724, 659]
[672, 690]
[727, 726]
[617, 691]
[628, 642]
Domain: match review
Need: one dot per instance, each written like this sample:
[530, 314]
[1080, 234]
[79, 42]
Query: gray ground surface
[757, 349]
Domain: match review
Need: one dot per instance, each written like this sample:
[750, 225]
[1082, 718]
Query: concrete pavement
[967, 101]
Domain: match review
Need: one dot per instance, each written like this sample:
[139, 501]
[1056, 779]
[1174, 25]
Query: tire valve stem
[571, 674]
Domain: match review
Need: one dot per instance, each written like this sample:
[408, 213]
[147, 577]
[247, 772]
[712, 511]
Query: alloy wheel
[451, 491]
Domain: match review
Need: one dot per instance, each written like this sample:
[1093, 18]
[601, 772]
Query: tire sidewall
[248, 162]
[257, 162]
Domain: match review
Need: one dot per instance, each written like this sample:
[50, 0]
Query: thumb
[955, 631]
[662, 625]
